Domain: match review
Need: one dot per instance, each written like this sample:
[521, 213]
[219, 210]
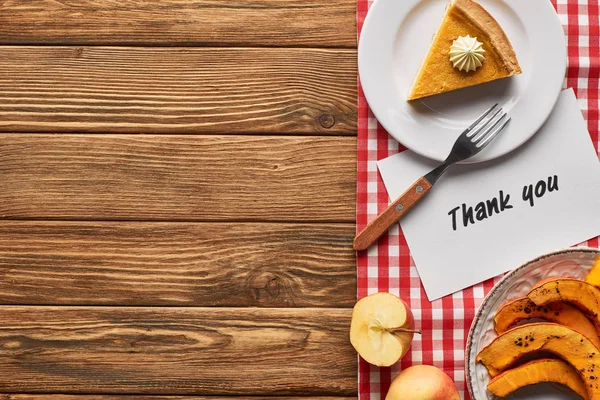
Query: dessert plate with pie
[428, 67]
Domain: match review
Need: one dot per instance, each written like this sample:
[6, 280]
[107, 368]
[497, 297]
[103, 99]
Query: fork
[474, 139]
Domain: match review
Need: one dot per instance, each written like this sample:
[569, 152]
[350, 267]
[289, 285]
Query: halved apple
[382, 329]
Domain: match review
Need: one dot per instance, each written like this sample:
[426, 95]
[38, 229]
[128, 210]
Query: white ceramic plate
[395, 39]
[574, 263]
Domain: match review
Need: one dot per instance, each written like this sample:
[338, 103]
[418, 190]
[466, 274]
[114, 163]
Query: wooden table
[177, 194]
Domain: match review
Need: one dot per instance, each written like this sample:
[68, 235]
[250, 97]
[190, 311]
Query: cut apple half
[382, 329]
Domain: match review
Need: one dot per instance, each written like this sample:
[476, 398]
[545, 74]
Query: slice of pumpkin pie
[469, 48]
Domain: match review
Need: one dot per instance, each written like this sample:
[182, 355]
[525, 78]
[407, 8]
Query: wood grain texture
[177, 90]
[186, 178]
[159, 397]
[176, 351]
[207, 264]
[313, 23]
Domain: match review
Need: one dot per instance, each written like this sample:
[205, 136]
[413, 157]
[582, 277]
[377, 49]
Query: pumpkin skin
[579, 293]
[536, 371]
[560, 340]
[593, 277]
[559, 312]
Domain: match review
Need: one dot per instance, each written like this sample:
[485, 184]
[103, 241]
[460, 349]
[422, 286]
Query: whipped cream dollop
[466, 53]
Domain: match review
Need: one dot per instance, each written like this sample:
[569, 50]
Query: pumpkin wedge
[560, 340]
[593, 277]
[559, 312]
[579, 293]
[536, 371]
[546, 280]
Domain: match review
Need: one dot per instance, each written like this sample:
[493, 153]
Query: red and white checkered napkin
[388, 266]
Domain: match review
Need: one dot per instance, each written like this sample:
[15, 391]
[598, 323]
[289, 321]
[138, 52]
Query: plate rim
[497, 286]
[431, 152]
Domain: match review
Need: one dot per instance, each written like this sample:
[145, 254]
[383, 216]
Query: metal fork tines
[474, 139]
[487, 127]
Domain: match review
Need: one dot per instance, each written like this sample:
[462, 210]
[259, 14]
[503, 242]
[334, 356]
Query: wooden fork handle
[391, 215]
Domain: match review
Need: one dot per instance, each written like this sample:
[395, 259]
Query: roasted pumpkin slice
[551, 279]
[593, 277]
[566, 343]
[559, 312]
[536, 371]
[579, 293]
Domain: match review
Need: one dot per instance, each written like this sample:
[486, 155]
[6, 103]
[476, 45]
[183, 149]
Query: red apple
[422, 382]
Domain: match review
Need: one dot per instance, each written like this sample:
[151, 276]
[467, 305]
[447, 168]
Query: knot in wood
[327, 121]
[265, 287]
[77, 52]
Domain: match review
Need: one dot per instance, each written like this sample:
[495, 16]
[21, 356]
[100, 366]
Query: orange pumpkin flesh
[546, 280]
[581, 294]
[593, 277]
[542, 370]
[560, 340]
[559, 312]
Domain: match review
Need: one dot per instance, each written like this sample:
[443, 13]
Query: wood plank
[154, 397]
[212, 351]
[208, 264]
[177, 90]
[185, 178]
[312, 23]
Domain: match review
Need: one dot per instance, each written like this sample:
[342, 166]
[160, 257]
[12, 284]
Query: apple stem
[404, 330]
